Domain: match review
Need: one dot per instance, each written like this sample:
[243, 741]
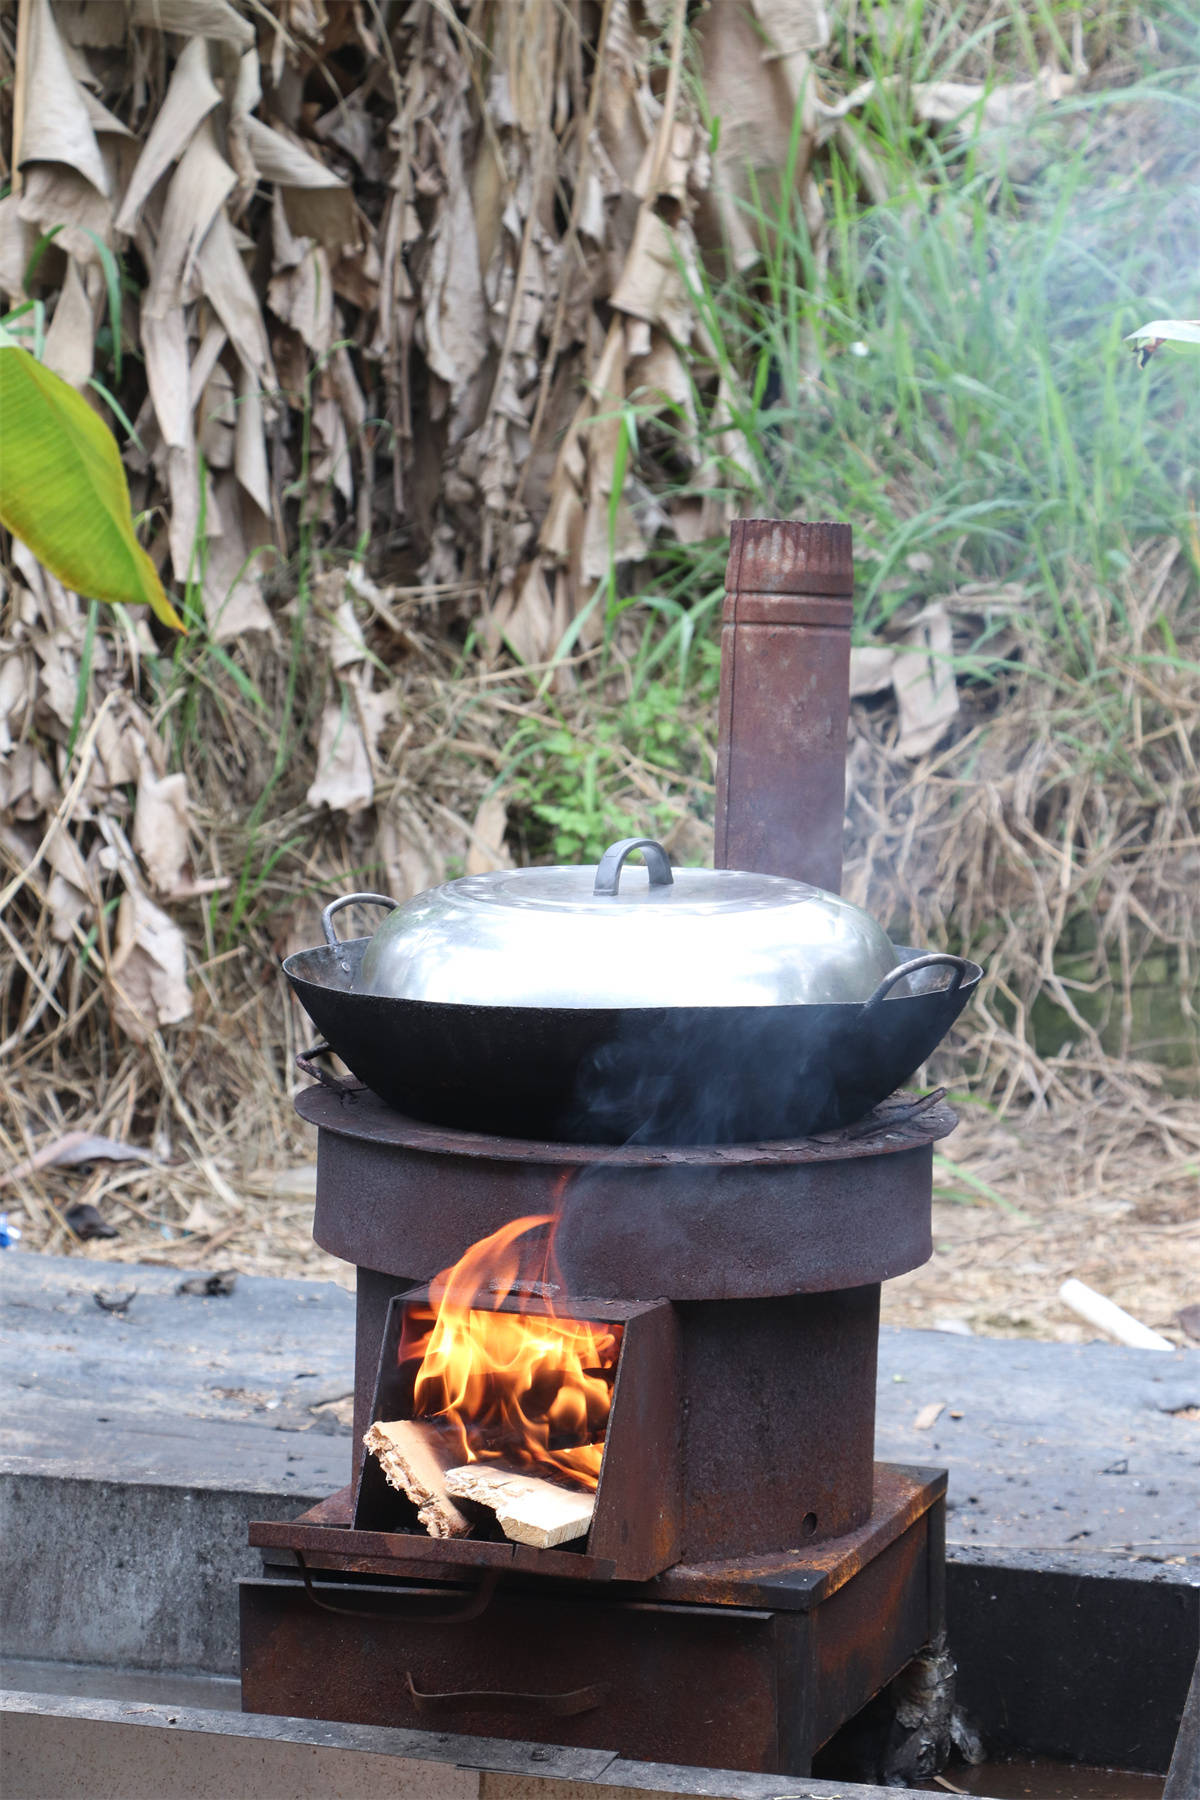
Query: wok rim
[972, 975]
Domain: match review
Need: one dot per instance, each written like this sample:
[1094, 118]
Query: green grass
[972, 402]
[952, 380]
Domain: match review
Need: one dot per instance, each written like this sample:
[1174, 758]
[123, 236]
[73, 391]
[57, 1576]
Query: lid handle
[335, 906]
[608, 871]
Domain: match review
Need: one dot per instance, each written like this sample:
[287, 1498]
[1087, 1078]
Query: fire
[527, 1389]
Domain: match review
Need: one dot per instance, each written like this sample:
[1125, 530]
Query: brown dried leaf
[104, 123]
[73, 1148]
[53, 195]
[165, 349]
[71, 336]
[183, 513]
[16, 694]
[344, 781]
[926, 691]
[195, 18]
[160, 828]
[754, 91]
[279, 158]
[190, 97]
[488, 849]
[96, 27]
[199, 188]
[872, 669]
[317, 202]
[16, 242]
[1006, 104]
[57, 126]
[250, 451]
[454, 306]
[217, 418]
[233, 602]
[225, 281]
[148, 967]
[68, 905]
[300, 291]
[123, 737]
[789, 26]
[343, 631]
[652, 284]
[330, 467]
[28, 789]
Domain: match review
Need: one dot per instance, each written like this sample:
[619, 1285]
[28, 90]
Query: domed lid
[608, 936]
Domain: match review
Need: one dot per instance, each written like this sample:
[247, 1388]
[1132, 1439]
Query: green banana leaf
[63, 490]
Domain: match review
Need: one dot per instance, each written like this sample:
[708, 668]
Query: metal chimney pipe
[785, 700]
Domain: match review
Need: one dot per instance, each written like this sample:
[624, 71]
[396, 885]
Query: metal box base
[750, 1664]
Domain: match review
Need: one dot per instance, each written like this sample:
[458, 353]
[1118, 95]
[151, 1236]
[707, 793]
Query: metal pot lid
[611, 936]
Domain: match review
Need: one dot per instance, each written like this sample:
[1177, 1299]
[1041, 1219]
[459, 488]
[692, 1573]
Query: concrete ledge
[57, 1748]
[128, 1573]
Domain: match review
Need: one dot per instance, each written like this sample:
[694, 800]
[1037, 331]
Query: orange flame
[528, 1389]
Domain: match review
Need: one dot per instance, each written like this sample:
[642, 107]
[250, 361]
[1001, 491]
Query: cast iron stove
[751, 1577]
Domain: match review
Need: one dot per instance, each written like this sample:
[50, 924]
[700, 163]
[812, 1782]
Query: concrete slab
[177, 1390]
[136, 1447]
[1064, 1448]
[57, 1748]
[1054, 1447]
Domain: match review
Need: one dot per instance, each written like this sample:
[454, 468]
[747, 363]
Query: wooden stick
[20, 90]
[1110, 1318]
[414, 1456]
[528, 1510]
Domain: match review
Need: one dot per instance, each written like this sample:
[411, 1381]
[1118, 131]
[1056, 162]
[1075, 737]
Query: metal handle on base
[561, 1706]
[470, 1607]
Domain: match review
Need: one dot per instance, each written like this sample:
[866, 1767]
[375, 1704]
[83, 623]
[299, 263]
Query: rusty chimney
[785, 684]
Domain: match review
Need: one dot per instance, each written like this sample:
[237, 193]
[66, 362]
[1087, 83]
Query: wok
[614, 1075]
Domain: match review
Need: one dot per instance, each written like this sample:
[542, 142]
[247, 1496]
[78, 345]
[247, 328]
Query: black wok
[655, 1075]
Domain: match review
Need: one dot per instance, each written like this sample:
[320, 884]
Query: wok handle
[608, 870]
[935, 958]
[306, 1062]
[335, 906]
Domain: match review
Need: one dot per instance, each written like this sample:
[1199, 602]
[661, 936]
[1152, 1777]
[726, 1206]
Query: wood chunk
[414, 1457]
[528, 1510]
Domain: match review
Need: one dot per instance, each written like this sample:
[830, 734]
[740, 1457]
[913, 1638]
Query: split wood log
[528, 1510]
[414, 1457]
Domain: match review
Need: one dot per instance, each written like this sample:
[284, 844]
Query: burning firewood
[528, 1510]
[414, 1459]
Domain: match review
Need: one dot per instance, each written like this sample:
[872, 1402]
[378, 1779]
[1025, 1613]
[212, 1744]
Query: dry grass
[1066, 790]
[1061, 797]
[1102, 1192]
[1074, 1163]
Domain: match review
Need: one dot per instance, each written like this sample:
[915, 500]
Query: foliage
[568, 778]
[63, 489]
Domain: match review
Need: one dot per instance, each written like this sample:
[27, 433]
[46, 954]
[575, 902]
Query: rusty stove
[751, 1576]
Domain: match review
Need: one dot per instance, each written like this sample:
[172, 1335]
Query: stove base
[751, 1664]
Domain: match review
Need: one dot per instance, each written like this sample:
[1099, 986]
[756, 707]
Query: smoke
[717, 1075]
